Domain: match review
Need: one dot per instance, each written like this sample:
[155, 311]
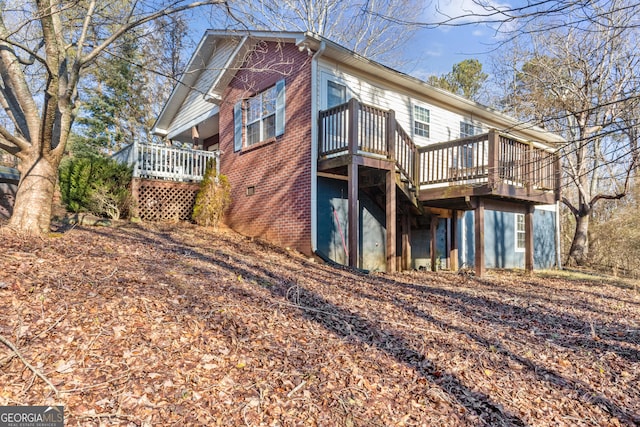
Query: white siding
[195, 105]
[444, 125]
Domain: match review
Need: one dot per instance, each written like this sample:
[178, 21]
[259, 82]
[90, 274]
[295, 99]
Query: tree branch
[570, 206]
[91, 56]
[13, 348]
[12, 143]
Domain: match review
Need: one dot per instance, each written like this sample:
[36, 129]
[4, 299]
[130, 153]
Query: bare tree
[46, 47]
[582, 81]
[355, 24]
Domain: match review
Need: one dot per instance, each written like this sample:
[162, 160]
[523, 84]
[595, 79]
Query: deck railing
[357, 128]
[492, 158]
[171, 163]
[489, 158]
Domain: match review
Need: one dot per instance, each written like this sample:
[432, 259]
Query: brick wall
[279, 171]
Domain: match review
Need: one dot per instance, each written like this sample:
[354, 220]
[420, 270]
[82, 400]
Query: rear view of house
[330, 153]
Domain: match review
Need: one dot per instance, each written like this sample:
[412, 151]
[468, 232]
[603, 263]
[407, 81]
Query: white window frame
[325, 78]
[519, 221]
[242, 121]
[475, 129]
[416, 120]
[262, 115]
[336, 83]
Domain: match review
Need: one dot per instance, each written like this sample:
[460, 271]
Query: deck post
[494, 161]
[406, 241]
[432, 249]
[528, 246]
[453, 253]
[557, 172]
[391, 135]
[479, 238]
[390, 211]
[354, 106]
[354, 214]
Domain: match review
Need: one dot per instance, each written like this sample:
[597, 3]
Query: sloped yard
[177, 325]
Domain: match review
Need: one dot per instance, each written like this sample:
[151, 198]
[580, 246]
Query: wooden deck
[447, 174]
[484, 171]
[491, 165]
[367, 136]
[152, 161]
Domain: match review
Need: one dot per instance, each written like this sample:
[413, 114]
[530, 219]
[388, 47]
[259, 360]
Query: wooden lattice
[164, 200]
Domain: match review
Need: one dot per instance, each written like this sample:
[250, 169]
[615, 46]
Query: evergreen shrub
[212, 199]
[98, 185]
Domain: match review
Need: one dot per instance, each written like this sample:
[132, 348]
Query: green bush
[213, 198]
[99, 185]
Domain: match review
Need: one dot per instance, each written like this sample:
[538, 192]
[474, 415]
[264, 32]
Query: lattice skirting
[164, 200]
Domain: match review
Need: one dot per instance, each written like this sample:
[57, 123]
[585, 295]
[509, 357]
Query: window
[261, 117]
[469, 129]
[336, 94]
[520, 233]
[420, 121]
[463, 157]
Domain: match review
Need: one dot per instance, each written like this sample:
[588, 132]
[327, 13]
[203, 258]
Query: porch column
[432, 249]
[406, 241]
[528, 239]
[354, 214]
[453, 253]
[390, 211]
[479, 238]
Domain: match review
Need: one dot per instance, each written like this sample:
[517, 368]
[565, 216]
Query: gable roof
[216, 78]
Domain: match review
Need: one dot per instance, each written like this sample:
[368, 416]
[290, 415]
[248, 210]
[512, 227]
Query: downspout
[558, 238]
[315, 87]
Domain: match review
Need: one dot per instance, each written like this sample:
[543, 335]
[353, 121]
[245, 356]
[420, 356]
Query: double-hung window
[520, 233]
[420, 121]
[469, 129]
[463, 159]
[260, 117]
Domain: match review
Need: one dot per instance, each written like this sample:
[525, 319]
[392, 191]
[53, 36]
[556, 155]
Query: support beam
[528, 239]
[453, 253]
[434, 230]
[353, 216]
[406, 241]
[391, 220]
[479, 238]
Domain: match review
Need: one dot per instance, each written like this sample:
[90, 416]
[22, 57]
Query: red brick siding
[280, 209]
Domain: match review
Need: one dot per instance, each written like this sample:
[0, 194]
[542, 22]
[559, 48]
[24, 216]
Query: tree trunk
[579, 252]
[32, 207]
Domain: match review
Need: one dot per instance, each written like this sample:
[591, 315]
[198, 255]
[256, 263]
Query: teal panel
[333, 209]
[500, 240]
[544, 239]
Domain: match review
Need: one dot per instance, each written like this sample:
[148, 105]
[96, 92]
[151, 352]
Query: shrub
[212, 199]
[98, 185]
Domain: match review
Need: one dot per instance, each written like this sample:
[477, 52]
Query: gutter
[314, 143]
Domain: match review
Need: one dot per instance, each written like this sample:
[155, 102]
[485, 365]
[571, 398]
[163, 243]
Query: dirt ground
[173, 325]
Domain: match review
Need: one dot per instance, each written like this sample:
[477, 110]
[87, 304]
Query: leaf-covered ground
[178, 325]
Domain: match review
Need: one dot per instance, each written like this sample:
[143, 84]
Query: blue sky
[431, 51]
[436, 50]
